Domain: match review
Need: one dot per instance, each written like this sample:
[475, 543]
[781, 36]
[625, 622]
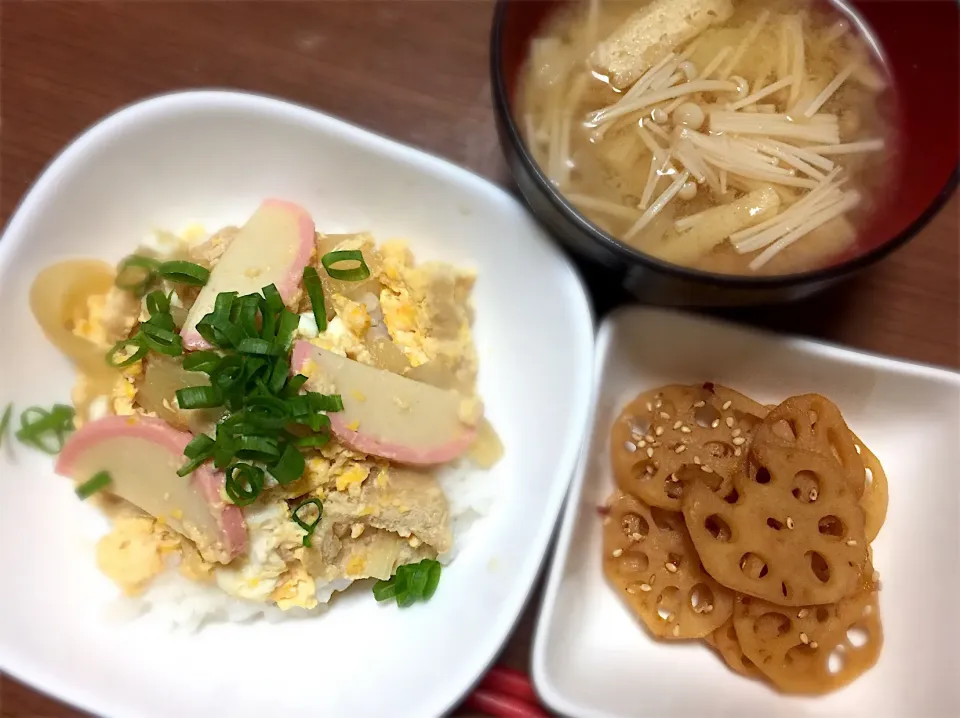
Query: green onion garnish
[411, 583]
[244, 483]
[136, 273]
[184, 273]
[255, 345]
[290, 466]
[5, 422]
[314, 287]
[273, 299]
[198, 397]
[126, 352]
[308, 527]
[353, 274]
[287, 325]
[98, 482]
[46, 430]
[205, 362]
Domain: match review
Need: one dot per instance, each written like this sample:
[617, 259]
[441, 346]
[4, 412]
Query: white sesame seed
[686, 429]
[857, 447]
[814, 494]
[680, 449]
[708, 608]
[658, 431]
[852, 542]
[641, 443]
[659, 403]
[729, 421]
[726, 405]
[674, 478]
[789, 523]
[630, 446]
[737, 452]
[714, 424]
[649, 438]
[645, 587]
[636, 536]
[739, 441]
[706, 469]
[696, 460]
[814, 644]
[649, 406]
[671, 567]
[699, 404]
[650, 470]
[653, 579]
[617, 552]
[735, 433]
[677, 425]
[802, 613]
[649, 452]
[631, 590]
[664, 415]
[803, 639]
[676, 630]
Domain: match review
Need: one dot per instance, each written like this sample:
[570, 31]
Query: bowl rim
[632, 257]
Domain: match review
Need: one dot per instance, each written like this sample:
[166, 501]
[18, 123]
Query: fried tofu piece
[653, 32]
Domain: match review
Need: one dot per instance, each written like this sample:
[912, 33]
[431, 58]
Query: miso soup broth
[751, 137]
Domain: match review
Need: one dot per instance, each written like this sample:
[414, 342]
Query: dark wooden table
[415, 70]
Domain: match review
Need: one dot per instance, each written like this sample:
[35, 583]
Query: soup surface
[748, 137]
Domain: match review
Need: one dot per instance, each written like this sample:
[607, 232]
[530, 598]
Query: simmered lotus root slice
[725, 640]
[814, 423]
[648, 556]
[790, 531]
[875, 493]
[666, 439]
[813, 649]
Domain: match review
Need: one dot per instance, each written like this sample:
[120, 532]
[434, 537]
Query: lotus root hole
[785, 430]
[731, 632]
[858, 637]
[635, 527]
[643, 470]
[674, 559]
[707, 416]
[801, 652]
[733, 497]
[668, 603]
[701, 598]
[831, 526]
[784, 589]
[819, 566]
[822, 614]
[673, 487]
[718, 528]
[633, 562]
[772, 625]
[719, 449]
[763, 476]
[836, 660]
[753, 566]
[806, 487]
[665, 520]
[774, 524]
[834, 442]
[746, 422]
[867, 477]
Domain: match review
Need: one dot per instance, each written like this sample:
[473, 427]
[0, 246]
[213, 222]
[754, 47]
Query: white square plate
[211, 157]
[592, 659]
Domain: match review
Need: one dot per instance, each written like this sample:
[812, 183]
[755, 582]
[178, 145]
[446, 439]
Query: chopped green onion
[160, 340]
[98, 482]
[308, 527]
[278, 375]
[354, 274]
[200, 444]
[294, 385]
[255, 345]
[198, 397]
[243, 484]
[289, 467]
[46, 430]
[205, 362]
[223, 303]
[268, 448]
[314, 287]
[411, 582]
[247, 308]
[229, 375]
[158, 302]
[274, 300]
[314, 441]
[184, 273]
[118, 357]
[136, 273]
[324, 402]
[5, 422]
[286, 327]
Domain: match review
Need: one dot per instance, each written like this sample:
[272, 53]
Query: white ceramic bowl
[211, 157]
[591, 657]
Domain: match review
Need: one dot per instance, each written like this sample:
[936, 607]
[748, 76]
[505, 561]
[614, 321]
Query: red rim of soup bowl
[919, 42]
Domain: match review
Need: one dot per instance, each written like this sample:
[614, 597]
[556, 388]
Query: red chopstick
[506, 693]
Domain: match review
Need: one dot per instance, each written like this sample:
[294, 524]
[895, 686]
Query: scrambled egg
[135, 550]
